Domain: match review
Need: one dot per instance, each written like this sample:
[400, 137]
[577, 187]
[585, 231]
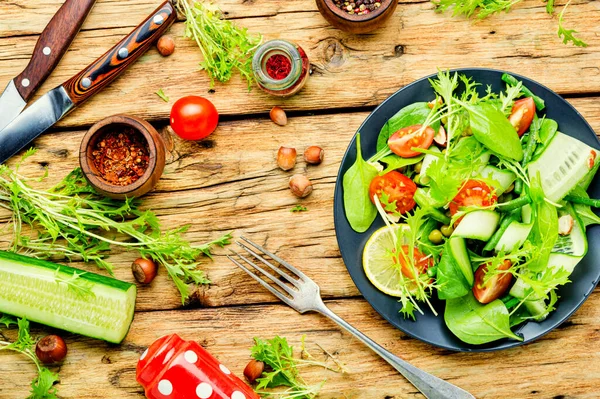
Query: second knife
[57, 103]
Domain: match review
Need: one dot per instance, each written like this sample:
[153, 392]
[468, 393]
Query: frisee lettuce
[72, 221]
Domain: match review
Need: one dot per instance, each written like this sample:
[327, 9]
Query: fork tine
[261, 281]
[274, 279]
[278, 259]
[286, 276]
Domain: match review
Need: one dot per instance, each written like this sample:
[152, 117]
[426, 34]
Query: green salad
[484, 202]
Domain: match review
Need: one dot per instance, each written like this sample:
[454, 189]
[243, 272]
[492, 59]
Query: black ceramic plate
[429, 328]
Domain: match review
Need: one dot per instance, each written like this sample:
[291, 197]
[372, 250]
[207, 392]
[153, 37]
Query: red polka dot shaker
[178, 369]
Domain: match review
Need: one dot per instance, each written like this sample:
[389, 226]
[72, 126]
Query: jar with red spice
[280, 67]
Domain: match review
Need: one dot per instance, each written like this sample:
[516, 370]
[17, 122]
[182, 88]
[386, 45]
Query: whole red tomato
[194, 118]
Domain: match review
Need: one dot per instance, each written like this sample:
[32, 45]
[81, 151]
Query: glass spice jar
[281, 68]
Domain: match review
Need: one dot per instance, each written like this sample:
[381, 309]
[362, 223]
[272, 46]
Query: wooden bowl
[156, 152]
[355, 23]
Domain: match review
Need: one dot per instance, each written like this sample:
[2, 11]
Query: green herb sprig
[225, 46]
[42, 387]
[278, 355]
[72, 221]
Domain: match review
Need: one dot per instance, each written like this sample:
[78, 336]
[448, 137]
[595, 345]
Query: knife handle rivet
[159, 19]
[123, 53]
[25, 83]
[47, 51]
[86, 83]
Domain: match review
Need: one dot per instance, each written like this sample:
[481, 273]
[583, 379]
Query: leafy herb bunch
[74, 222]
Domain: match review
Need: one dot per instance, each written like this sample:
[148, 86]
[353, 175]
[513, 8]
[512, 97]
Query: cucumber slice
[526, 213]
[36, 289]
[514, 237]
[500, 179]
[458, 250]
[427, 161]
[478, 225]
[563, 165]
[537, 309]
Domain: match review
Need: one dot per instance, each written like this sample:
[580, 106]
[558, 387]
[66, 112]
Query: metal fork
[304, 295]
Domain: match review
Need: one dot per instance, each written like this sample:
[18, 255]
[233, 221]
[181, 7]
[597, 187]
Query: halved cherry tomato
[473, 193]
[495, 287]
[421, 262]
[404, 139]
[522, 115]
[399, 189]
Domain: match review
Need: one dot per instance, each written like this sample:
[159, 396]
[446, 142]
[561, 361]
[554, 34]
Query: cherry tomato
[522, 115]
[399, 189]
[473, 193]
[404, 139]
[194, 118]
[421, 262]
[495, 287]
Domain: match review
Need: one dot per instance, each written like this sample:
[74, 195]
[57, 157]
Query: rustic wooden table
[230, 183]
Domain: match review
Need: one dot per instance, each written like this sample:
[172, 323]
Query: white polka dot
[238, 395]
[144, 354]
[204, 390]
[165, 387]
[224, 369]
[190, 357]
[47, 51]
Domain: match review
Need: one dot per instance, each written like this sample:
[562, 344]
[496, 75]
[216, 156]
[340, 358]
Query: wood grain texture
[52, 45]
[348, 71]
[562, 364]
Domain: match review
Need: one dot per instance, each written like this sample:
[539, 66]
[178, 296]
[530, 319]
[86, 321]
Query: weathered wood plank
[225, 185]
[565, 363]
[349, 71]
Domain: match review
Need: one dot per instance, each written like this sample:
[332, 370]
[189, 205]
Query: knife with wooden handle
[57, 103]
[49, 49]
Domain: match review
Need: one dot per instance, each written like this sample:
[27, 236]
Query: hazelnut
[278, 116]
[144, 270]
[300, 186]
[51, 349]
[254, 370]
[314, 155]
[286, 158]
[165, 46]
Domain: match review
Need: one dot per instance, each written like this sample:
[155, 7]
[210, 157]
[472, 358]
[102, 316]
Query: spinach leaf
[360, 211]
[394, 162]
[546, 134]
[477, 324]
[492, 129]
[450, 280]
[413, 114]
[545, 228]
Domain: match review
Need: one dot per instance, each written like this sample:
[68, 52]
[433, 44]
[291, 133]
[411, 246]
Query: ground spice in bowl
[359, 7]
[120, 156]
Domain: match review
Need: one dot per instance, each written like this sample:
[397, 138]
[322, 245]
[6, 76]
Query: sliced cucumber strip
[563, 165]
[526, 213]
[500, 179]
[478, 225]
[513, 238]
[91, 305]
[537, 309]
[458, 249]
[427, 161]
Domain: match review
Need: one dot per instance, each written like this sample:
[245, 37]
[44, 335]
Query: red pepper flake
[278, 66]
[121, 157]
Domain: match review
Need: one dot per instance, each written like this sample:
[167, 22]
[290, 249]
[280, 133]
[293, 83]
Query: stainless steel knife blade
[35, 120]
[11, 104]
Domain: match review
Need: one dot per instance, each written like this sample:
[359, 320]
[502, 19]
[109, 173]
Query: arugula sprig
[568, 35]
[225, 46]
[42, 387]
[72, 221]
[278, 354]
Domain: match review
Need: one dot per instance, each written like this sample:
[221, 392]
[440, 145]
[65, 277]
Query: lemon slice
[379, 266]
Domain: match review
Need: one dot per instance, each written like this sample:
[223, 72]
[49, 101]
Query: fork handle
[429, 385]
